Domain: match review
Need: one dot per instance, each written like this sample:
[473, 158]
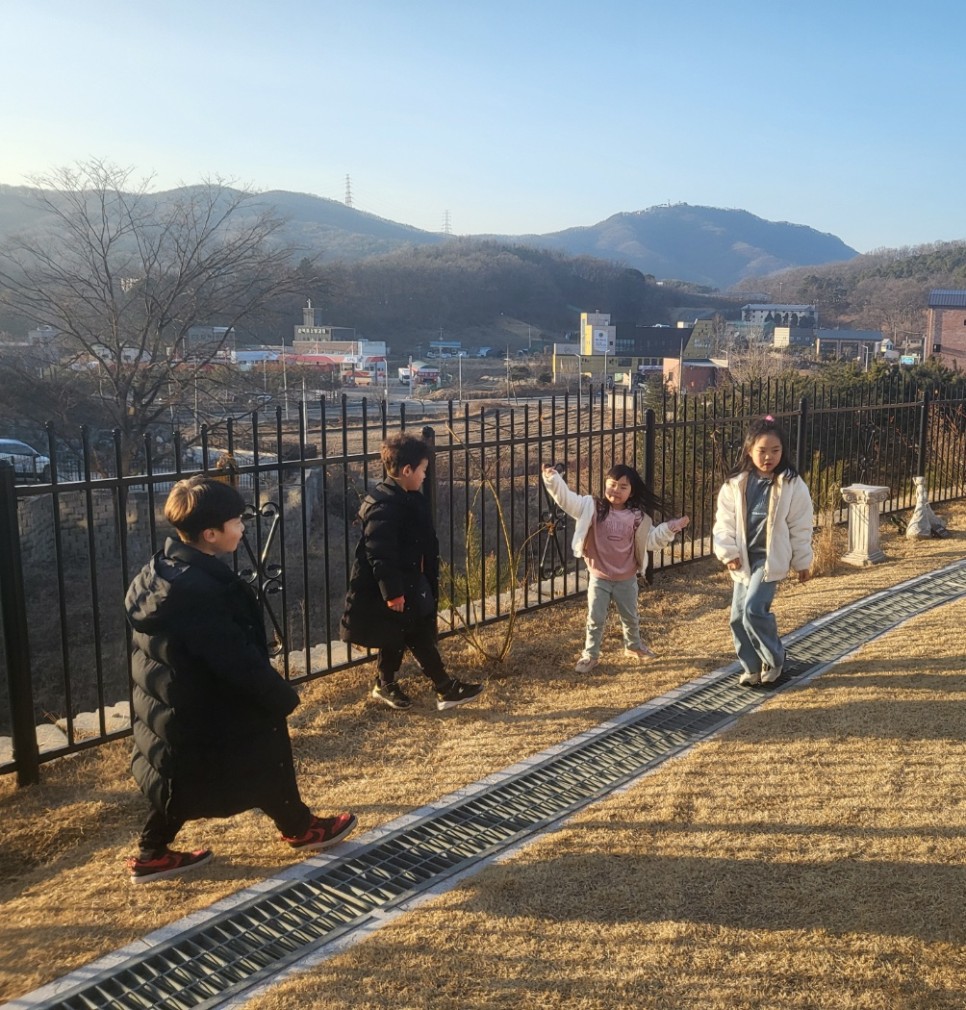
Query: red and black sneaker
[143, 871]
[323, 832]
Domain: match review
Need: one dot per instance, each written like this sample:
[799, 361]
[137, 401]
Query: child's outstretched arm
[557, 488]
[664, 533]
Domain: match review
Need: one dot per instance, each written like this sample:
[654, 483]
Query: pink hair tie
[768, 417]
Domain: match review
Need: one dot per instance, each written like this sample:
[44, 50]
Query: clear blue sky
[515, 117]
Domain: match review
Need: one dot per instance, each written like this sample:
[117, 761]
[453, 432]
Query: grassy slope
[671, 892]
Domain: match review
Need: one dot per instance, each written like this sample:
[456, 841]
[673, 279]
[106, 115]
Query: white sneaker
[586, 664]
[748, 679]
[640, 652]
[770, 674]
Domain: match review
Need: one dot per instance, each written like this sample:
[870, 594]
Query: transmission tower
[447, 229]
[348, 190]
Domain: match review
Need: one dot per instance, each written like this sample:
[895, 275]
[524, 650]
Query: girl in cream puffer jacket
[762, 531]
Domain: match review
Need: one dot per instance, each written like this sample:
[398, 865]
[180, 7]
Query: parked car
[28, 464]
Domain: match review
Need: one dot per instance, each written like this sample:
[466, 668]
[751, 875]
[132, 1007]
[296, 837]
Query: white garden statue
[923, 522]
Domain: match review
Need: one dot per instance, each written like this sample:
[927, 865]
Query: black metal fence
[69, 549]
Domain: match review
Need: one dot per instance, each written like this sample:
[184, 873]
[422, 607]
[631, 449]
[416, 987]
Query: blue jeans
[599, 594]
[753, 625]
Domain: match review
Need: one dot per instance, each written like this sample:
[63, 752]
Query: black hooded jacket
[398, 555]
[209, 711]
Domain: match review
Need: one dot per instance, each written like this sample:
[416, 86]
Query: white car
[28, 464]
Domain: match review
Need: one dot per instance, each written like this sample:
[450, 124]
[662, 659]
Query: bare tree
[123, 275]
[718, 335]
[893, 305]
[756, 358]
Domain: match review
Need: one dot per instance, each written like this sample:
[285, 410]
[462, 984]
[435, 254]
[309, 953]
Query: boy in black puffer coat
[209, 710]
[393, 588]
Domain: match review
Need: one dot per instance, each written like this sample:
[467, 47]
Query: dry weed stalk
[469, 628]
[825, 545]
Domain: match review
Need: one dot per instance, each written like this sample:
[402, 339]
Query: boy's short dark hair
[201, 503]
[402, 450]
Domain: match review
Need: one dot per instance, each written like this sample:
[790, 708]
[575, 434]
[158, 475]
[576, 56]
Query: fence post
[429, 437]
[649, 478]
[923, 429]
[800, 437]
[16, 640]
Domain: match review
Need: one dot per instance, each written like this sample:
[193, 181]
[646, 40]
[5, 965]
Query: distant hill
[314, 224]
[700, 245]
[886, 289]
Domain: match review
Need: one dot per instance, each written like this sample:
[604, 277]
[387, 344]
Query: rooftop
[944, 298]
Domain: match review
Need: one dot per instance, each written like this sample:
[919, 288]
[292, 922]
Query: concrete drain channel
[237, 949]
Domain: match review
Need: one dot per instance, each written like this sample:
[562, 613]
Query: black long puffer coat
[210, 733]
[398, 545]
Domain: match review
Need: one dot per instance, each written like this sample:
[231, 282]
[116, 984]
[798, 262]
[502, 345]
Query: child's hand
[804, 575]
[733, 565]
[548, 469]
[398, 604]
[676, 525]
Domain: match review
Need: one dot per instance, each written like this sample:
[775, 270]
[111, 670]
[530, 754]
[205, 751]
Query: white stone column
[864, 501]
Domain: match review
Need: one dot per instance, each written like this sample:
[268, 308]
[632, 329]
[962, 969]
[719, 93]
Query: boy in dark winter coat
[209, 710]
[391, 602]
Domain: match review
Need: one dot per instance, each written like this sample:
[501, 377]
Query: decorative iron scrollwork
[263, 575]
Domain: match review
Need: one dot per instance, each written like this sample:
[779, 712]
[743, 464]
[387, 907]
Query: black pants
[420, 639]
[291, 817]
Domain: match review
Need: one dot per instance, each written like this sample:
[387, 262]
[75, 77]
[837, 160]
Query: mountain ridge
[703, 245]
[708, 246]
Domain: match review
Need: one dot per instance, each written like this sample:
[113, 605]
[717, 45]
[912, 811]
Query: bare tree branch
[123, 275]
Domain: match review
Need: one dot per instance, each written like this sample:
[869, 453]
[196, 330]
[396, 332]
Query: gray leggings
[599, 594]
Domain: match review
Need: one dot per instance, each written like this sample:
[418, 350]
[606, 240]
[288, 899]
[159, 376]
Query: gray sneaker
[586, 664]
[769, 674]
[748, 679]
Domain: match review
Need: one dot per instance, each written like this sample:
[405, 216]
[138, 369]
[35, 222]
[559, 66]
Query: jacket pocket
[420, 601]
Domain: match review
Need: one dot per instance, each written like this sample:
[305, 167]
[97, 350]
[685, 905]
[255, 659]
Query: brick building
[946, 326]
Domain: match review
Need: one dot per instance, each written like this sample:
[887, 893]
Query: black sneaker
[171, 864]
[457, 693]
[392, 695]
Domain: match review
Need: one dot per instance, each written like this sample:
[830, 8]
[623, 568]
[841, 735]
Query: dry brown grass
[811, 857]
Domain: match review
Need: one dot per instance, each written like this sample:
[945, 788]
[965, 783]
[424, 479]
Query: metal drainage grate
[205, 966]
[867, 619]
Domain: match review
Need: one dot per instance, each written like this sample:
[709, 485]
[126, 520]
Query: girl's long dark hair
[764, 426]
[640, 497]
